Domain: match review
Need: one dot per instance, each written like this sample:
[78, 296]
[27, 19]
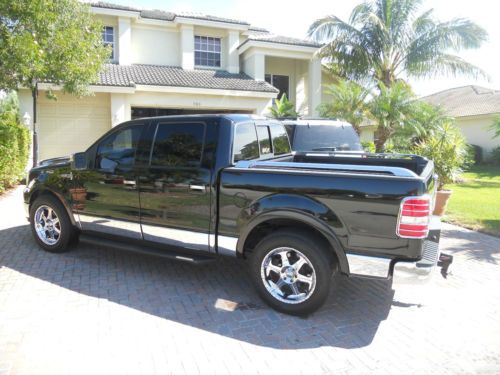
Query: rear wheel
[292, 271]
[51, 225]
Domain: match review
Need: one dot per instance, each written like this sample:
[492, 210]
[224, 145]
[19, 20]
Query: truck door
[107, 198]
[175, 185]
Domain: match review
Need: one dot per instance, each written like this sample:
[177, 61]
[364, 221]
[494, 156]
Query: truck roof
[316, 121]
[235, 117]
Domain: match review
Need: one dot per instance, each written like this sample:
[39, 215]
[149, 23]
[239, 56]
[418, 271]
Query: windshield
[325, 137]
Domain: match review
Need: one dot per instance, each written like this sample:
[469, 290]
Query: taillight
[413, 220]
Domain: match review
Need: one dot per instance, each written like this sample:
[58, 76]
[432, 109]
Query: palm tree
[348, 102]
[394, 108]
[385, 40]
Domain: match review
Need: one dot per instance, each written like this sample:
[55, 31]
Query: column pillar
[254, 65]
[314, 86]
[124, 41]
[120, 109]
[233, 62]
[187, 46]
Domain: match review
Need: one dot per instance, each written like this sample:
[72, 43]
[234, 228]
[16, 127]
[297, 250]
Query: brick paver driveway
[98, 311]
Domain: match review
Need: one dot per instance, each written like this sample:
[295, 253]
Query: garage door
[70, 124]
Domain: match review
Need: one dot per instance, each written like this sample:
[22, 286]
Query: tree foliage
[448, 149]
[384, 40]
[425, 120]
[14, 142]
[348, 102]
[283, 108]
[495, 126]
[56, 41]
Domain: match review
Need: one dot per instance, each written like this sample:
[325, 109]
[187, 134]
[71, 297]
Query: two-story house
[164, 63]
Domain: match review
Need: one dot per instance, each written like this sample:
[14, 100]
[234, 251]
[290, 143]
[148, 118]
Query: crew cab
[194, 188]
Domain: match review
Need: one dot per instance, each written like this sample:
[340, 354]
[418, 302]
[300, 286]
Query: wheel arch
[269, 221]
[46, 192]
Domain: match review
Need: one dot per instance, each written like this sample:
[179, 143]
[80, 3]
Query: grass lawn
[475, 202]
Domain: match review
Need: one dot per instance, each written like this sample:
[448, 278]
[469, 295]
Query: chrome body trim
[363, 265]
[110, 226]
[226, 245]
[395, 171]
[176, 237]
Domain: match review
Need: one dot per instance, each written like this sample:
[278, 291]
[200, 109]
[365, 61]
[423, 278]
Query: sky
[292, 18]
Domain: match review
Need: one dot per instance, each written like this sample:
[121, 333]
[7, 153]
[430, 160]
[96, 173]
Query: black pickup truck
[194, 188]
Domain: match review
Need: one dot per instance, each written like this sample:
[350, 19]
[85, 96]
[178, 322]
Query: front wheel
[50, 224]
[292, 271]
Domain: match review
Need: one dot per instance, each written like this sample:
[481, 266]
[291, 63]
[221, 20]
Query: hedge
[14, 151]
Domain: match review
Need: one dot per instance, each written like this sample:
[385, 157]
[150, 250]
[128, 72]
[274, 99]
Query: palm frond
[448, 65]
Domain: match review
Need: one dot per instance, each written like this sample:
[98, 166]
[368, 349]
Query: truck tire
[51, 225]
[292, 271]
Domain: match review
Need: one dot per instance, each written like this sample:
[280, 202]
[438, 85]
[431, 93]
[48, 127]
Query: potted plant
[446, 146]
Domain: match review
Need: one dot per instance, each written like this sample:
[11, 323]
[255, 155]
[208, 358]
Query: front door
[175, 186]
[108, 201]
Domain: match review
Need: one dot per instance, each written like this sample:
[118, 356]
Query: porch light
[27, 120]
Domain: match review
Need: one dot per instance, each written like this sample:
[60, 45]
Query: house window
[108, 39]
[282, 83]
[207, 51]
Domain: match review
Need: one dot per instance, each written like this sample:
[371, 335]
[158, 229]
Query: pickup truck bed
[198, 187]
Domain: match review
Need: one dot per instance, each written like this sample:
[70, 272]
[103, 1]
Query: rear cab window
[259, 141]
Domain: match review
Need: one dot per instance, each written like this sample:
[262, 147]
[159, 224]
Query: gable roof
[160, 75]
[467, 101]
[263, 35]
[254, 33]
[164, 15]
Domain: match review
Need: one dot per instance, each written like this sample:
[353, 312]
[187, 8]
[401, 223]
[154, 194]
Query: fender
[39, 189]
[304, 218]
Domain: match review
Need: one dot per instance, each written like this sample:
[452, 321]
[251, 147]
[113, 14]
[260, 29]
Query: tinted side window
[264, 140]
[117, 151]
[246, 146]
[281, 145]
[178, 145]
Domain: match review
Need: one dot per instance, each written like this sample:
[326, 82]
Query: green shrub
[368, 146]
[14, 143]
[476, 153]
[495, 156]
[449, 151]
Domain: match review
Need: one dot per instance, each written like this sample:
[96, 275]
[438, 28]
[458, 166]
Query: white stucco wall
[155, 45]
[254, 65]
[124, 41]
[475, 129]
[326, 79]
[367, 133]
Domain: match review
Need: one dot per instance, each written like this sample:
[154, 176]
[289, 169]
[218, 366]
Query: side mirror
[79, 161]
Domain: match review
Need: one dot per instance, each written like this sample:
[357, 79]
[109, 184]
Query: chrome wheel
[47, 225]
[288, 275]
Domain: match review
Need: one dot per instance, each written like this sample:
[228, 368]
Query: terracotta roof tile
[158, 75]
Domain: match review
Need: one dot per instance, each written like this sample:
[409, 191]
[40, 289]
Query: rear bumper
[420, 272]
[401, 272]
